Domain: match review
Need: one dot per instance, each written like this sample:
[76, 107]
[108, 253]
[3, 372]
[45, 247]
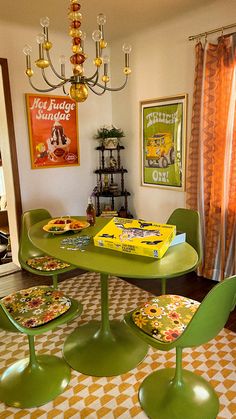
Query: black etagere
[110, 178]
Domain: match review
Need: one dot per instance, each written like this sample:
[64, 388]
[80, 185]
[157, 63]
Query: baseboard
[8, 268]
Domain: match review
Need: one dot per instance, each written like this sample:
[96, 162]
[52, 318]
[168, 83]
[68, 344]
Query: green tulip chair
[27, 251]
[37, 379]
[186, 221]
[177, 322]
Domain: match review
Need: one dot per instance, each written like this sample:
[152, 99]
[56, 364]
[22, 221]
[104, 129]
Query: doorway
[12, 211]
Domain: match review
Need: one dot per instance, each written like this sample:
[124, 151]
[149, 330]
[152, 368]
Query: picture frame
[163, 142]
[53, 131]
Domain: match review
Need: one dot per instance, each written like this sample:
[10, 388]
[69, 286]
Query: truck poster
[163, 132]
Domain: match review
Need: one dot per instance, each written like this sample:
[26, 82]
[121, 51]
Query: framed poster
[163, 138]
[53, 131]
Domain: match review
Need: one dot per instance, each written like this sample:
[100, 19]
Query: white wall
[162, 63]
[61, 190]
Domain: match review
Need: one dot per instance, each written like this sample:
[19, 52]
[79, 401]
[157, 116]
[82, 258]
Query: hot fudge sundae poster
[53, 131]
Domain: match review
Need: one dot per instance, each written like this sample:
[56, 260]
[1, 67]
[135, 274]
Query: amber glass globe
[79, 92]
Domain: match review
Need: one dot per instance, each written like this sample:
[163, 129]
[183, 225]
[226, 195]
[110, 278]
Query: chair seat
[165, 317]
[36, 306]
[46, 263]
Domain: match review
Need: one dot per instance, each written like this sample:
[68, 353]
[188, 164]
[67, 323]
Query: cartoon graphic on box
[130, 233]
[136, 237]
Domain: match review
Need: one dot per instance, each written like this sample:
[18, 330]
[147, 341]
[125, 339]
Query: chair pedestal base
[24, 386]
[194, 399]
[92, 351]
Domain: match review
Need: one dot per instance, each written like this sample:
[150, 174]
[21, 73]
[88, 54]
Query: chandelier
[79, 83]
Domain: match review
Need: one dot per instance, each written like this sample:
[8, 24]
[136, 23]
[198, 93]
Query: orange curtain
[211, 162]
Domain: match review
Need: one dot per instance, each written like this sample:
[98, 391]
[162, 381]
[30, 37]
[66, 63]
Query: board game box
[179, 238]
[138, 237]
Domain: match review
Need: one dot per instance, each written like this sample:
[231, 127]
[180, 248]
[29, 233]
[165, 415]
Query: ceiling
[123, 16]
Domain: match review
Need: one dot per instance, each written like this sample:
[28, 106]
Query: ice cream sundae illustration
[59, 144]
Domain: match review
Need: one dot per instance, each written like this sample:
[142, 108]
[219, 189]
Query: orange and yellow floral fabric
[165, 317]
[46, 263]
[36, 306]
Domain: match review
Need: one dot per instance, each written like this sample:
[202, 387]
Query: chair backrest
[5, 323]
[211, 315]
[188, 221]
[26, 248]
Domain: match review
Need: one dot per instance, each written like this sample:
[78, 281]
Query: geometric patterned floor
[116, 397]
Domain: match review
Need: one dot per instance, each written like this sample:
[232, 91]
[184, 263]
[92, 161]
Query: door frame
[12, 143]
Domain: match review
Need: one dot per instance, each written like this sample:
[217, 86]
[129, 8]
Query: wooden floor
[189, 285]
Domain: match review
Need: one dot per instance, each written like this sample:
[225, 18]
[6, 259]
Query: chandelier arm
[113, 89]
[96, 74]
[43, 90]
[97, 93]
[91, 82]
[64, 90]
[55, 86]
[53, 68]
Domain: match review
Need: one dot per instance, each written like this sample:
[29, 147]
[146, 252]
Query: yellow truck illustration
[160, 150]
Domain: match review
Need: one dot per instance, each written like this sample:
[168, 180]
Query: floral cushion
[36, 306]
[46, 263]
[165, 317]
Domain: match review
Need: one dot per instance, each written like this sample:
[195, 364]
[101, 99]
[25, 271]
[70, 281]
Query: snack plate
[62, 221]
[74, 225]
[49, 229]
[78, 225]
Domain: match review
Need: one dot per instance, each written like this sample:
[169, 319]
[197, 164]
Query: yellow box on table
[138, 237]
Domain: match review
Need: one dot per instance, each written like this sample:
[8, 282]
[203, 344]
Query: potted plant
[109, 136]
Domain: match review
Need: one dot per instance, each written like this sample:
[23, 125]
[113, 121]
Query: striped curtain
[211, 159]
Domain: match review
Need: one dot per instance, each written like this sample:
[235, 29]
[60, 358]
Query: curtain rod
[192, 37]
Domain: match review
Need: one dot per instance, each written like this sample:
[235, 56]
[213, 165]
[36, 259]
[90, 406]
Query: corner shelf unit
[110, 167]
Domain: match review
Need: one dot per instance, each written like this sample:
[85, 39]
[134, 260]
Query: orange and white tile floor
[117, 397]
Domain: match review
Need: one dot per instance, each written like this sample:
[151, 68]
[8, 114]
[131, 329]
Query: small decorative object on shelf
[109, 136]
[112, 163]
[108, 213]
[110, 176]
[105, 187]
[113, 187]
[122, 213]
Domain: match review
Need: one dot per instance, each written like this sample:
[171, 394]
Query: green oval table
[108, 347]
